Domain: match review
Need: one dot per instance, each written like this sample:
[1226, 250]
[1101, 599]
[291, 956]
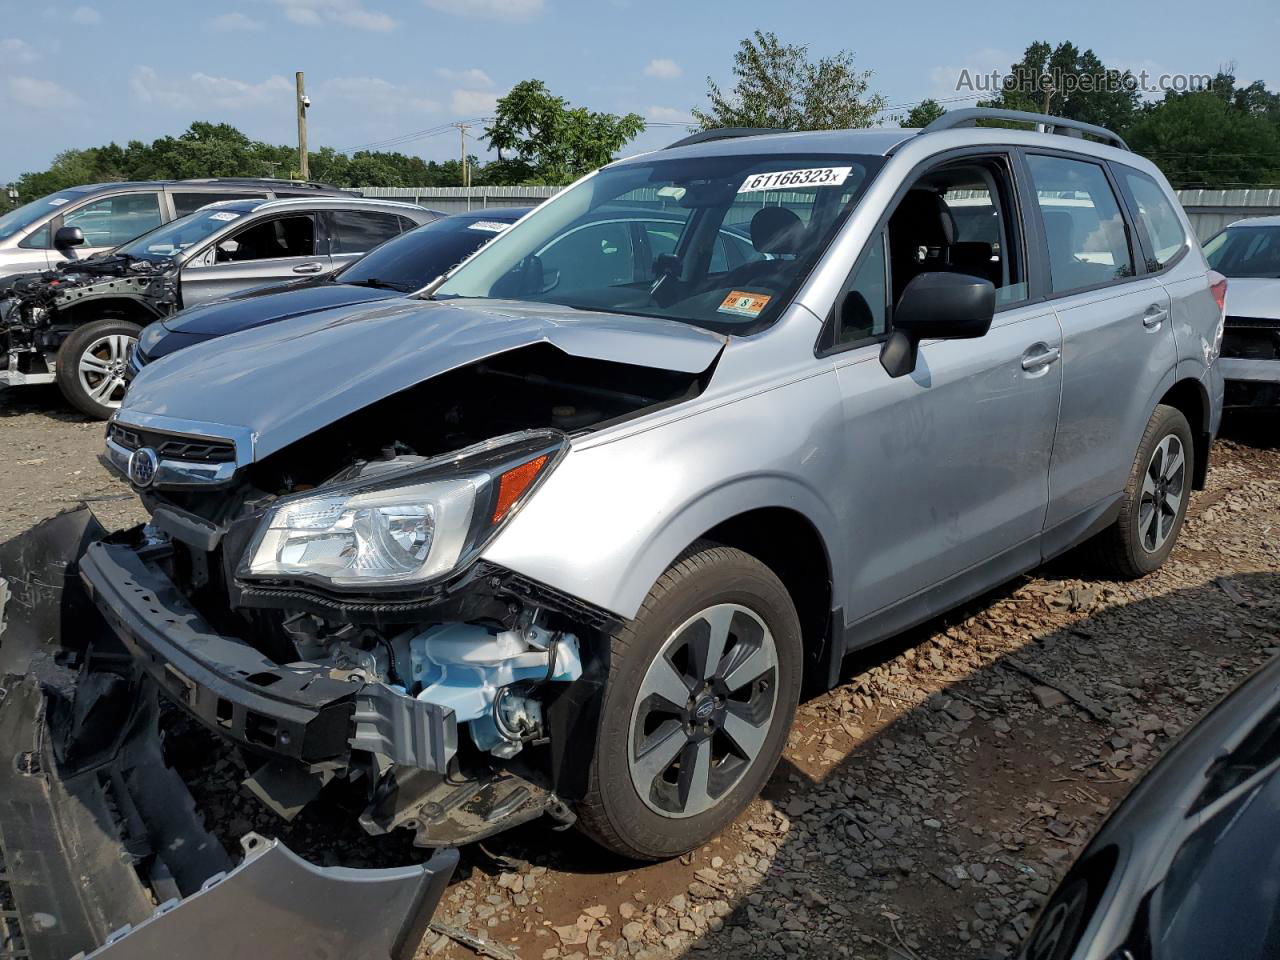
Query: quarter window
[358, 231]
[1084, 228]
[1156, 216]
[112, 221]
[863, 308]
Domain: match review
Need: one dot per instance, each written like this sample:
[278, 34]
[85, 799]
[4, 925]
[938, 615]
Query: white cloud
[15, 51]
[472, 79]
[375, 95]
[489, 9]
[85, 16]
[972, 76]
[204, 90]
[668, 115]
[234, 22]
[473, 102]
[347, 13]
[42, 94]
[663, 69]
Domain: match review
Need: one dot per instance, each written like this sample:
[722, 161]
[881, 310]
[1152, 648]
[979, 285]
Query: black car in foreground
[400, 266]
[1188, 867]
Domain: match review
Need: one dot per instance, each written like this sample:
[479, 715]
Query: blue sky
[78, 74]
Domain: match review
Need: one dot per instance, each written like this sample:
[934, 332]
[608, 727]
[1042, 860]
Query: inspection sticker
[490, 226]
[224, 215]
[783, 179]
[742, 304]
[57, 201]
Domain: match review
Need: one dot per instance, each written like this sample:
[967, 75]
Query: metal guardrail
[1208, 210]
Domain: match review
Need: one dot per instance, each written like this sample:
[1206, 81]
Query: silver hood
[1253, 297]
[280, 382]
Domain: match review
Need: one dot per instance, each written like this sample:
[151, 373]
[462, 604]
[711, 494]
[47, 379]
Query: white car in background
[1247, 252]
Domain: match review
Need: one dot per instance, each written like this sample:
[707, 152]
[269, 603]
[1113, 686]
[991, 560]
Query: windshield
[721, 242]
[1245, 252]
[22, 217]
[411, 261]
[177, 235]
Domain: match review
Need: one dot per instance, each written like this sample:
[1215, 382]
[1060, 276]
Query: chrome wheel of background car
[102, 367]
[1163, 487]
[703, 710]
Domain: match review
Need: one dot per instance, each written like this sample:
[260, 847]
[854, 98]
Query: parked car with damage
[402, 265]
[1248, 253]
[568, 543]
[77, 325]
[39, 235]
[1186, 867]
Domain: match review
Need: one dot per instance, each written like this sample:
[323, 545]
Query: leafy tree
[1071, 83]
[777, 85]
[540, 138]
[923, 114]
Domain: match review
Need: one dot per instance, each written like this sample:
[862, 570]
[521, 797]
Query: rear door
[353, 233]
[269, 250]
[1118, 349]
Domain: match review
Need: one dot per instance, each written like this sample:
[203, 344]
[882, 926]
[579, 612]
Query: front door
[264, 252]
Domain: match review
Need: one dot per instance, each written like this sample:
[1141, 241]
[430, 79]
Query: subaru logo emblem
[142, 466]
[704, 709]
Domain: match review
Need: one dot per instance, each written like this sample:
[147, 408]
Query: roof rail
[281, 181]
[1071, 128]
[723, 133]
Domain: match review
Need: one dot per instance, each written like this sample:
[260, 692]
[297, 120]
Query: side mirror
[66, 237]
[937, 306]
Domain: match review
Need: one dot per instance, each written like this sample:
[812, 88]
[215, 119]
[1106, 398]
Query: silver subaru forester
[569, 532]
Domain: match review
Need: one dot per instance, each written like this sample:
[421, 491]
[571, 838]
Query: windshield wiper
[377, 284]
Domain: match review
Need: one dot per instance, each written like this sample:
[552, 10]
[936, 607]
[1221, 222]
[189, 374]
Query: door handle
[308, 268]
[1034, 361]
[1154, 316]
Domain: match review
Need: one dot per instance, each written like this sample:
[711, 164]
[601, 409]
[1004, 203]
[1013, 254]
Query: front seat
[775, 232]
[920, 233]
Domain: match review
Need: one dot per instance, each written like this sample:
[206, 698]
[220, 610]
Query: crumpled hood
[1253, 297]
[286, 380]
[269, 305]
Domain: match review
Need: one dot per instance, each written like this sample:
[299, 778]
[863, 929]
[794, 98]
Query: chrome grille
[170, 447]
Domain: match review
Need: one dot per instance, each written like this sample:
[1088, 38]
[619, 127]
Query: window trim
[1146, 242]
[188, 261]
[1042, 251]
[826, 344]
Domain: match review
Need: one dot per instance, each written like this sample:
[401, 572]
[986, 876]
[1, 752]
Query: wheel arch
[1191, 399]
[116, 307]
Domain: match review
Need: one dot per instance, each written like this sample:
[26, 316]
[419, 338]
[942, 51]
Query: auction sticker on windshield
[809, 177]
[742, 304]
[225, 215]
[489, 226]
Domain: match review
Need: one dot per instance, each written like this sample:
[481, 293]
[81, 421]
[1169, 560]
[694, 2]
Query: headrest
[777, 231]
[930, 222]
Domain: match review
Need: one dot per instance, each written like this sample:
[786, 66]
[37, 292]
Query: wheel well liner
[1190, 398]
[789, 544]
[133, 309]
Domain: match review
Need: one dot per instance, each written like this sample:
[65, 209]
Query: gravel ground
[924, 808]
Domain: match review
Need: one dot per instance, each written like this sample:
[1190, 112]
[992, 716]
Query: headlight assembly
[395, 525]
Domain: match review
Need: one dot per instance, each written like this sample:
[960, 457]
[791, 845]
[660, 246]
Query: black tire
[613, 812]
[93, 337]
[1127, 549]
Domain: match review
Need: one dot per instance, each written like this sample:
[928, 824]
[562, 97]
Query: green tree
[923, 114]
[539, 138]
[1206, 139]
[1067, 82]
[777, 85]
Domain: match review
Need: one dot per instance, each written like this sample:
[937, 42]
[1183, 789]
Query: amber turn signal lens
[513, 484]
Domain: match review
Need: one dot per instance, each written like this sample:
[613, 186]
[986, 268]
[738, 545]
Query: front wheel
[1155, 499]
[703, 686]
[92, 363]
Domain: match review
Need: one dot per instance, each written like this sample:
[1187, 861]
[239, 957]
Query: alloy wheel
[1163, 487]
[703, 711]
[102, 368]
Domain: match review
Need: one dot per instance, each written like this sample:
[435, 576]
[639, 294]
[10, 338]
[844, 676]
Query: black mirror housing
[937, 306]
[68, 237]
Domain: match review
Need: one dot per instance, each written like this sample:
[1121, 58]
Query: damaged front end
[104, 850]
[39, 310]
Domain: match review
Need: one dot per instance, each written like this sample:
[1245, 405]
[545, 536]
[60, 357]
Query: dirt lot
[927, 805]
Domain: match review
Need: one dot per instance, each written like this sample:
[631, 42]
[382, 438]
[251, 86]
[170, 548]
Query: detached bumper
[1251, 371]
[297, 712]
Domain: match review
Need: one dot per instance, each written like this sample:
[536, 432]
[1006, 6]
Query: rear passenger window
[1156, 216]
[184, 203]
[1083, 226]
[359, 231]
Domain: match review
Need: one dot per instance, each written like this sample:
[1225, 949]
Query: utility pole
[466, 167]
[303, 103]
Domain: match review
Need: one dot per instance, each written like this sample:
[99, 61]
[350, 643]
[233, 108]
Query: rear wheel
[1155, 499]
[702, 689]
[92, 363]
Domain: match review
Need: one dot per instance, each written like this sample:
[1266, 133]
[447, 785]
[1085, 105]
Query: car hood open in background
[1254, 297]
[270, 304]
[283, 381]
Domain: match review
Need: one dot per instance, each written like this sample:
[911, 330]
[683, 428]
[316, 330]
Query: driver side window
[270, 240]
